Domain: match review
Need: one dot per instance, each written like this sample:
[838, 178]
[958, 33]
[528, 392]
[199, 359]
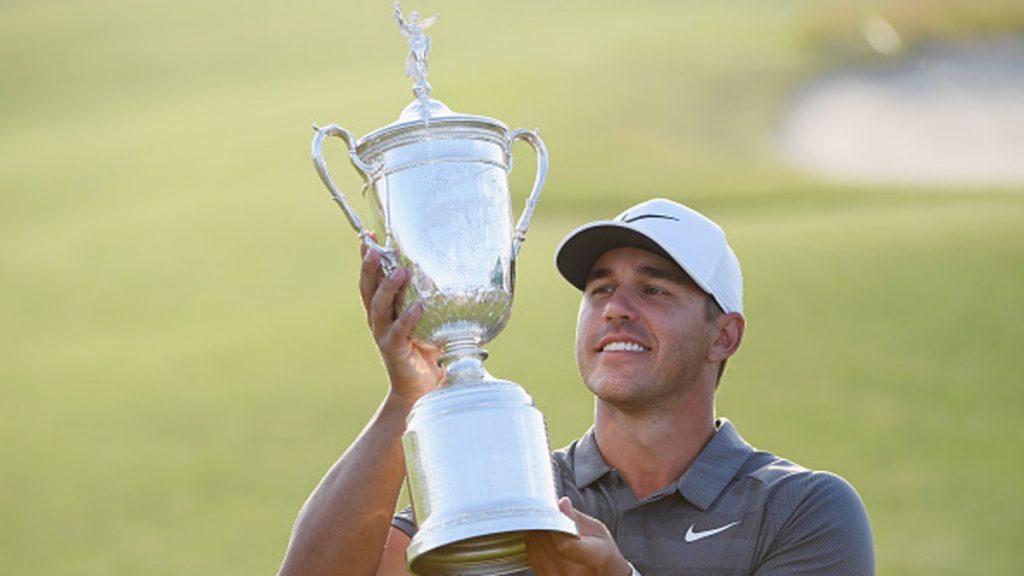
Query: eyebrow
[672, 274]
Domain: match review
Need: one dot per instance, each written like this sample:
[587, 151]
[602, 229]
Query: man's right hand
[412, 366]
[344, 526]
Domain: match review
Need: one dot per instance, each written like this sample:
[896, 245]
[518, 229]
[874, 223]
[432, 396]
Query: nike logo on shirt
[692, 536]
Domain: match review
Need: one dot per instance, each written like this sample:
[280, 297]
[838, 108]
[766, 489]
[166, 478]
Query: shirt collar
[588, 464]
[715, 466]
[701, 484]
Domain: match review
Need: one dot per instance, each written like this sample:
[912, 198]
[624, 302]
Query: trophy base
[490, 555]
[493, 554]
[479, 469]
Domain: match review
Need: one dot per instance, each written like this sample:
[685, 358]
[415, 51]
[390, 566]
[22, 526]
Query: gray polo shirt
[735, 511]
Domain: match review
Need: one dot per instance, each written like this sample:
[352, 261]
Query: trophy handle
[389, 260]
[533, 139]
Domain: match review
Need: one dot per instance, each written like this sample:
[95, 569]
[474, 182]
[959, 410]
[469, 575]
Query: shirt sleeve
[405, 521]
[822, 528]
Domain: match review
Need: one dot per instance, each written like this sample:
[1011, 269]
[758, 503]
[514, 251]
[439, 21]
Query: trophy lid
[424, 113]
[418, 110]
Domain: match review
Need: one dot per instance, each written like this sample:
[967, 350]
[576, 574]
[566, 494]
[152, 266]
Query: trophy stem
[463, 360]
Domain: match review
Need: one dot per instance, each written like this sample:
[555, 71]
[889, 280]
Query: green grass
[183, 350]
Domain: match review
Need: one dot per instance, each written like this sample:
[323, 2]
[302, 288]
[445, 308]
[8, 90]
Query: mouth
[623, 346]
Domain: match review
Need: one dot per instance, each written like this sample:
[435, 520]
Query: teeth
[623, 347]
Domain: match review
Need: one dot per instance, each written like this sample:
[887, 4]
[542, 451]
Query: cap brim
[580, 249]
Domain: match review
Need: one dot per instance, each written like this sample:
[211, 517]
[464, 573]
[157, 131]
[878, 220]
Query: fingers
[382, 296]
[412, 366]
[565, 507]
[376, 286]
[364, 245]
[593, 552]
[542, 551]
[585, 525]
[382, 311]
[546, 550]
[371, 271]
[401, 329]
[370, 275]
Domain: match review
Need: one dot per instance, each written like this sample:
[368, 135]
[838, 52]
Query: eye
[599, 289]
[654, 290]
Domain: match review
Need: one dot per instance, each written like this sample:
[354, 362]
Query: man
[658, 485]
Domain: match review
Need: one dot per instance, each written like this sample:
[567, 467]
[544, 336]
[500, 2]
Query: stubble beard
[635, 394]
[654, 390]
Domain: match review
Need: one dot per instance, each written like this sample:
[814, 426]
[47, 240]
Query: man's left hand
[592, 553]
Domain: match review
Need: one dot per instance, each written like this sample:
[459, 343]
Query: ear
[728, 336]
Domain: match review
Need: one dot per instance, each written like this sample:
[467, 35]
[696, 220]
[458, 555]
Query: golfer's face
[642, 332]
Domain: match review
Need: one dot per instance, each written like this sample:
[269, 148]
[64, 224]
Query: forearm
[344, 523]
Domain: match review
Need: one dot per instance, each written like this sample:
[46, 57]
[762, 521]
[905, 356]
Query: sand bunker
[945, 115]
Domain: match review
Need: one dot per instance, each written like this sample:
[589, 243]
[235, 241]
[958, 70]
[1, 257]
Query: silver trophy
[476, 450]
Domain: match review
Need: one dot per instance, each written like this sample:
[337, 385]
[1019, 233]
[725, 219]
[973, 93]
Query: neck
[653, 447]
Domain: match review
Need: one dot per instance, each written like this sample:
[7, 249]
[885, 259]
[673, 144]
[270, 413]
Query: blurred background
[182, 348]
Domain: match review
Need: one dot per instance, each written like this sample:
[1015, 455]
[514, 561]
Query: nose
[619, 306]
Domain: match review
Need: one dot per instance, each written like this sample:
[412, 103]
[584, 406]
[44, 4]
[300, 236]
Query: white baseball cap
[668, 229]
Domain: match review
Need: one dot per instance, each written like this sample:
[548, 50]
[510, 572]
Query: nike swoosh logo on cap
[692, 536]
[630, 219]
